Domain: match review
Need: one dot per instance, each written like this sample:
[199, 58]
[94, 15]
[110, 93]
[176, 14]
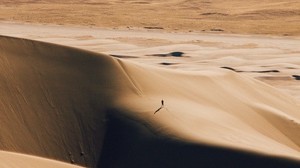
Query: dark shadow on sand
[167, 63]
[265, 71]
[131, 144]
[171, 54]
[297, 77]
[122, 56]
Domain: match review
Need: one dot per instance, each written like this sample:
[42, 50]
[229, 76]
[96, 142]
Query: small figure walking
[162, 106]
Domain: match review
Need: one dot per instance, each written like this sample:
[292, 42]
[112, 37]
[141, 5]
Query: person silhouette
[162, 106]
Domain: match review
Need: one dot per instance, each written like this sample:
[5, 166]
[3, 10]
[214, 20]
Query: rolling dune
[53, 100]
[16, 160]
[94, 110]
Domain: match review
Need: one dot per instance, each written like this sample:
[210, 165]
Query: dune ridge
[93, 110]
[52, 100]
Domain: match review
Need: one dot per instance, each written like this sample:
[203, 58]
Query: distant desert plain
[275, 17]
[151, 84]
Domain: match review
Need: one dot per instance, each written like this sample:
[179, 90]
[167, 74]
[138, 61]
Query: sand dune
[93, 110]
[53, 101]
[16, 160]
[206, 102]
[247, 54]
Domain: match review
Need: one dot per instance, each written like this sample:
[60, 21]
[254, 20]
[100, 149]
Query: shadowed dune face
[94, 110]
[234, 16]
[53, 100]
[130, 143]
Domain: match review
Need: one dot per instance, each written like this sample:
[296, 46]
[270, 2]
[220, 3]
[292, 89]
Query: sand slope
[15, 160]
[94, 110]
[53, 101]
[251, 55]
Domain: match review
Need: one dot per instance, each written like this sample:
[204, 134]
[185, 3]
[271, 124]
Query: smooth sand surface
[95, 110]
[16, 160]
[250, 54]
[148, 83]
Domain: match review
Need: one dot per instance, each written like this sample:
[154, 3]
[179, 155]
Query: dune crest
[53, 100]
[94, 110]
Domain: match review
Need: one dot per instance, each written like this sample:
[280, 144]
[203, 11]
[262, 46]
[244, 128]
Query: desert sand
[16, 160]
[82, 90]
[277, 17]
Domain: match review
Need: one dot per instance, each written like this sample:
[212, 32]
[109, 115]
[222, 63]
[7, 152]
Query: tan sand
[249, 54]
[75, 106]
[16, 160]
[100, 87]
[278, 17]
